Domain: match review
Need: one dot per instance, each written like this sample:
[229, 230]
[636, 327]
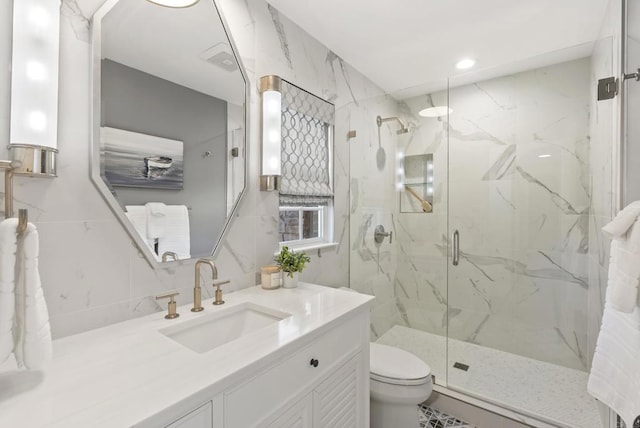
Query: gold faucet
[172, 304]
[218, 300]
[167, 254]
[197, 291]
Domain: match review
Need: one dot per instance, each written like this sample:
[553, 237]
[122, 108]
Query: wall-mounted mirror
[169, 124]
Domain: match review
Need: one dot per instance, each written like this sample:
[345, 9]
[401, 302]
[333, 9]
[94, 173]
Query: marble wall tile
[73, 281]
[118, 283]
[76, 322]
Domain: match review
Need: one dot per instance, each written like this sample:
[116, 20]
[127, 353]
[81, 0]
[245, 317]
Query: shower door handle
[456, 248]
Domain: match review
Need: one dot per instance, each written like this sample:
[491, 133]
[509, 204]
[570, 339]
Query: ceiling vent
[220, 55]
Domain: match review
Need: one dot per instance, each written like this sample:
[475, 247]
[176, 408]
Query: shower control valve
[379, 234]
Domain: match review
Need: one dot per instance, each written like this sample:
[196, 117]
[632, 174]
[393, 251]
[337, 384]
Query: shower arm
[403, 128]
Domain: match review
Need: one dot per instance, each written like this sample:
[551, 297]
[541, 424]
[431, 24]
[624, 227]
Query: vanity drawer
[252, 401]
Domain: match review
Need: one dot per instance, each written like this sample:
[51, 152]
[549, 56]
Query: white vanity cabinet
[309, 369]
[335, 402]
[324, 384]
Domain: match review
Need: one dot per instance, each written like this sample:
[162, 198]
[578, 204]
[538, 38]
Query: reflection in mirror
[169, 124]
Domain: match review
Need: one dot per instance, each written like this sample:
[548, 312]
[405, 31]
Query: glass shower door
[518, 208]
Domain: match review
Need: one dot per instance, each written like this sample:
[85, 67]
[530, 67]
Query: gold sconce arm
[8, 187]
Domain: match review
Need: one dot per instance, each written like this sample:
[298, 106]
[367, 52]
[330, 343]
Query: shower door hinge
[607, 88]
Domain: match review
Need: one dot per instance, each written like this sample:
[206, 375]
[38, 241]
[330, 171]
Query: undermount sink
[212, 330]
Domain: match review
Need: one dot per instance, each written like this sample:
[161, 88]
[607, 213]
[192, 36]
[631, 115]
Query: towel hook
[23, 216]
[8, 187]
[23, 220]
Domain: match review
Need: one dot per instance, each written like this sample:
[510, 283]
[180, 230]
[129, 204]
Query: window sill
[310, 246]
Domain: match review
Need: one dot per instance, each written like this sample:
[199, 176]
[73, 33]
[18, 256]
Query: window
[302, 223]
[306, 184]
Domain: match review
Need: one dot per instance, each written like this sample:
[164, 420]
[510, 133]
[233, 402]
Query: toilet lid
[394, 363]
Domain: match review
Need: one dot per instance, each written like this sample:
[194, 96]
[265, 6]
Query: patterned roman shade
[307, 138]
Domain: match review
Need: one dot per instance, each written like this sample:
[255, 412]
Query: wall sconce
[271, 106]
[34, 87]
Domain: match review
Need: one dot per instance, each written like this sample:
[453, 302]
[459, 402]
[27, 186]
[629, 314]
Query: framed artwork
[131, 159]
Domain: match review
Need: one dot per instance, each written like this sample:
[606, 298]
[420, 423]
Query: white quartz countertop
[120, 375]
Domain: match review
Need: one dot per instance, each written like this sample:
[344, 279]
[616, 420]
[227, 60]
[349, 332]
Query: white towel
[617, 228]
[156, 219]
[177, 235]
[8, 245]
[615, 372]
[31, 332]
[33, 347]
[137, 214]
[624, 264]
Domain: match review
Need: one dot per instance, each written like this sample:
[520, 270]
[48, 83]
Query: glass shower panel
[406, 274]
[421, 230]
[519, 196]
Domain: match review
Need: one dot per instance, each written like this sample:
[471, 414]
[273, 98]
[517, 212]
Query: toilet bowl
[399, 382]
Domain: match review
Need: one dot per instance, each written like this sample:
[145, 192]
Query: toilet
[399, 382]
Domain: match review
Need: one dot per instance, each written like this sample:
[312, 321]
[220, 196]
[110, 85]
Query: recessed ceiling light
[174, 3]
[463, 64]
[544, 156]
[436, 111]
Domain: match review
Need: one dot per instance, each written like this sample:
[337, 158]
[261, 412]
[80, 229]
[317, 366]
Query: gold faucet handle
[218, 300]
[172, 304]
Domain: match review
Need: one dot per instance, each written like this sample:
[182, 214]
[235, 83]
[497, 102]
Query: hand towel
[177, 234]
[32, 332]
[24, 318]
[623, 221]
[137, 214]
[615, 372]
[8, 247]
[156, 219]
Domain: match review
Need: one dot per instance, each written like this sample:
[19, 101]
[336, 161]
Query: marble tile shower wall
[605, 60]
[92, 274]
[373, 202]
[522, 282]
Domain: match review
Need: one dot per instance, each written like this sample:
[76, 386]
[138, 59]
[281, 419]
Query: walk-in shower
[520, 167]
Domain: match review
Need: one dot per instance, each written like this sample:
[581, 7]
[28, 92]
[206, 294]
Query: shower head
[403, 129]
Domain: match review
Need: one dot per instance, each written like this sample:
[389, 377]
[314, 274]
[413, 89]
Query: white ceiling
[410, 47]
[170, 43]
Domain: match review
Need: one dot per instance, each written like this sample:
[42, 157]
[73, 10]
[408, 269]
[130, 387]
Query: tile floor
[432, 418]
[554, 394]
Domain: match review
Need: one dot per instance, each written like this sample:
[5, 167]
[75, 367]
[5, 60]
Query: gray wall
[140, 102]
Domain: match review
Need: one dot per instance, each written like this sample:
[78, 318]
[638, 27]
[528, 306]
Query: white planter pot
[288, 282]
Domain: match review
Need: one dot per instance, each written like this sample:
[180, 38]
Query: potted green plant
[291, 264]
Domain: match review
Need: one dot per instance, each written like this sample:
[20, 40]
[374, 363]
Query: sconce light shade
[34, 86]
[271, 105]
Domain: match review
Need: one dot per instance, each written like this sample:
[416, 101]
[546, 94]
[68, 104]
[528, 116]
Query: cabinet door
[340, 401]
[202, 417]
[296, 416]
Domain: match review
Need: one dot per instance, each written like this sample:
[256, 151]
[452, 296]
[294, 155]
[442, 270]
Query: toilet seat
[397, 367]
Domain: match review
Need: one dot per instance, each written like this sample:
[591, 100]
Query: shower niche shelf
[417, 184]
